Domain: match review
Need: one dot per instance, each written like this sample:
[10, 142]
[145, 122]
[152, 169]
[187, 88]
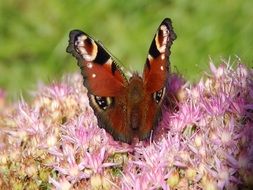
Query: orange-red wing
[101, 74]
[157, 64]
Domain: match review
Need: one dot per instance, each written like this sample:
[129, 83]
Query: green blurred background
[34, 35]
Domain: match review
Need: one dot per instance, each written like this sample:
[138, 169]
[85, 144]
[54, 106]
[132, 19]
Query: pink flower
[62, 184]
[204, 139]
[95, 161]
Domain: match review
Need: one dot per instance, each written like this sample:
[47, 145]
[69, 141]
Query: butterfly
[127, 108]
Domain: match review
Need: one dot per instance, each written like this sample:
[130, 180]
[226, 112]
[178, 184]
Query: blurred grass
[34, 35]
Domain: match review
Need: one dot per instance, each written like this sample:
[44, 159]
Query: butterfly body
[126, 108]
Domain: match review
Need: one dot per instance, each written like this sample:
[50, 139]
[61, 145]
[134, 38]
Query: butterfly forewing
[101, 74]
[157, 63]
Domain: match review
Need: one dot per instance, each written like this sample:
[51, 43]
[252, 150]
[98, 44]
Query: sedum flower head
[203, 141]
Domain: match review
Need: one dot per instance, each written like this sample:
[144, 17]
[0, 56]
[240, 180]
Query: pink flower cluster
[204, 139]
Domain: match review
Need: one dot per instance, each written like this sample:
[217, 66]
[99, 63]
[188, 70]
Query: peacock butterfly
[126, 108]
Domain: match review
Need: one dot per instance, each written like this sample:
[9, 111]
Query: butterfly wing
[156, 68]
[104, 80]
[155, 75]
[101, 74]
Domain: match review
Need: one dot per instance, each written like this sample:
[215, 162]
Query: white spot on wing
[150, 58]
[162, 56]
[93, 75]
[162, 47]
[80, 47]
[82, 38]
[89, 65]
[109, 62]
[162, 68]
[82, 50]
